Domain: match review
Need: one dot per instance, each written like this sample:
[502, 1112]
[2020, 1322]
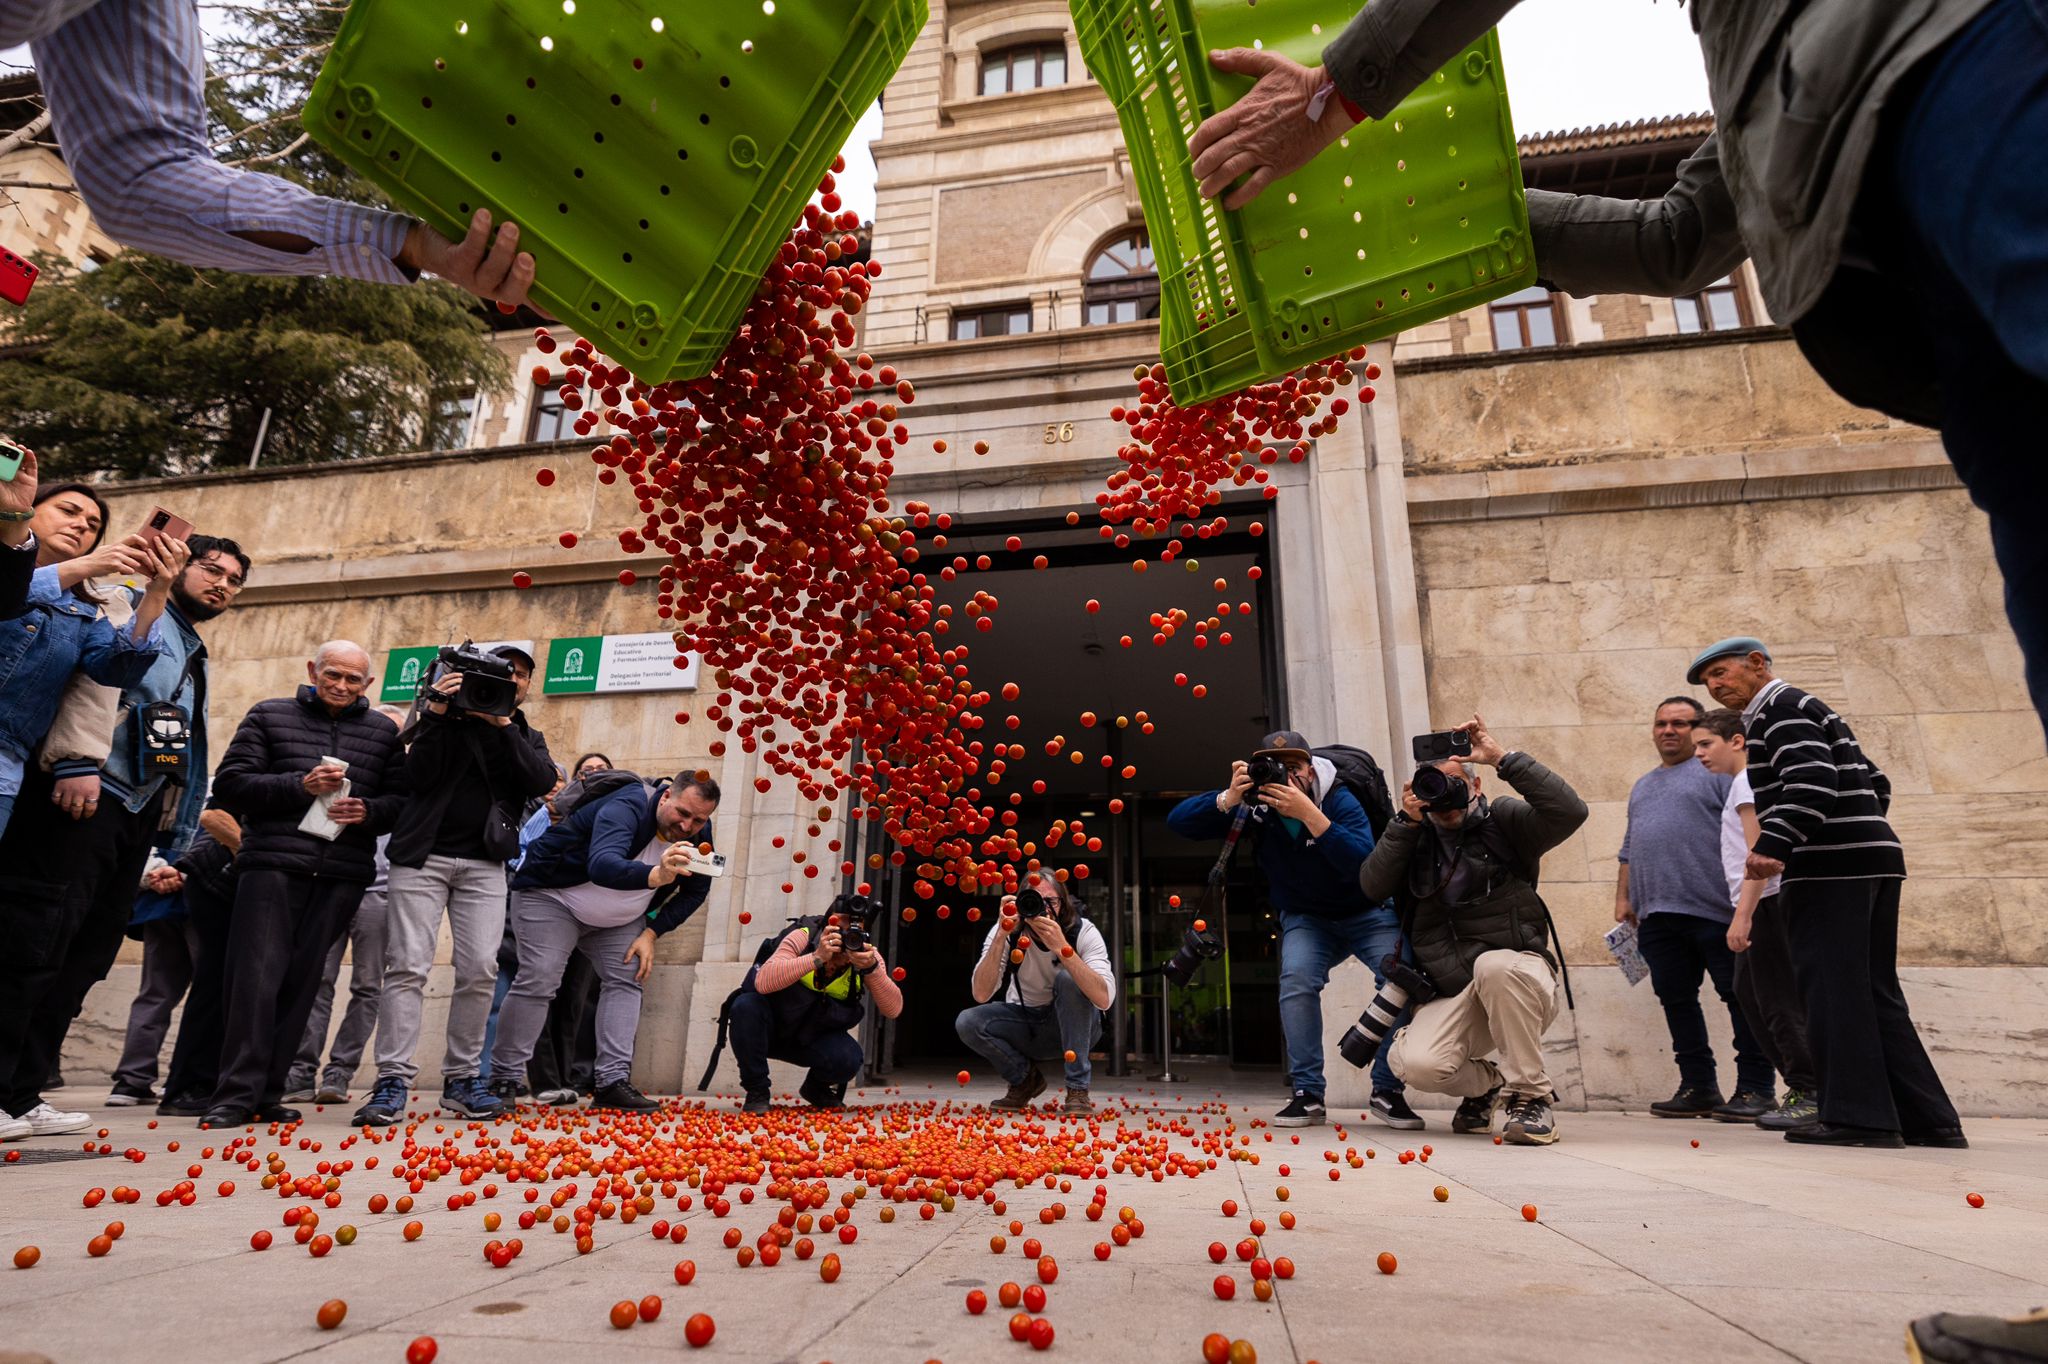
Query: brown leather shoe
[1020, 1095]
[1077, 1102]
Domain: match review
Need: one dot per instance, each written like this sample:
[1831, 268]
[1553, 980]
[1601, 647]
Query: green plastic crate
[655, 155]
[1404, 220]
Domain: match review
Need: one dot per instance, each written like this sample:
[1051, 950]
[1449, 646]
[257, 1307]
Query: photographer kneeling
[1465, 869]
[1048, 971]
[804, 1002]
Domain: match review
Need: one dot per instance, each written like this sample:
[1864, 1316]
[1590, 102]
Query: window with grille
[1121, 283]
[1026, 66]
[1002, 319]
[1524, 319]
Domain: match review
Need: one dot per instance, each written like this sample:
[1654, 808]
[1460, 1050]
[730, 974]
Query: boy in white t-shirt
[1764, 983]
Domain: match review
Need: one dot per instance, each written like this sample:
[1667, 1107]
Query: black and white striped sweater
[1820, 802]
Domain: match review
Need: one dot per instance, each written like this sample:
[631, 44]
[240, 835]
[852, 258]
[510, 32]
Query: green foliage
[147, 367]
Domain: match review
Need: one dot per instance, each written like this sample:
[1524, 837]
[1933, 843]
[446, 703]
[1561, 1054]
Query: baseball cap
[1284, 743]
[1734, 647]
[512, 651]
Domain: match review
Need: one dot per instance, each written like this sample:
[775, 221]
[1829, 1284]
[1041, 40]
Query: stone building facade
[1544, 533]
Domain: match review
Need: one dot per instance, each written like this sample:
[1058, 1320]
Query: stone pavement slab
[1645, 1248]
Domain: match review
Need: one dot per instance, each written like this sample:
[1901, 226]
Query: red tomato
[1226, 1287]
[1041, 1334]
[422, 1351]
[977, 1301]
[699, 1329]
[330, 1314]
[1387, 1262]
[650, 1307]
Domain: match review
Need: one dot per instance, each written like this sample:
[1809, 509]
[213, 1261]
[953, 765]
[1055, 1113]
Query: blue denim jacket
[56, 634]
[117, 775]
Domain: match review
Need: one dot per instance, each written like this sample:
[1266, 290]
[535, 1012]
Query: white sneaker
[14, 1129]
[45, 1121]
[558, 1098]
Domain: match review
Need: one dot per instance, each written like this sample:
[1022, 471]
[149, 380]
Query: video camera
[1404, 986]
[1198, 946]
[1267, 771]
[487, 686]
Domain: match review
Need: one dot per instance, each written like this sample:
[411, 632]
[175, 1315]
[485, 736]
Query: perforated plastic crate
[653, 154]
[1405, 220]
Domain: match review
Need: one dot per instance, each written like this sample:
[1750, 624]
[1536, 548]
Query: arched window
[1121, 283]
[1026, 66]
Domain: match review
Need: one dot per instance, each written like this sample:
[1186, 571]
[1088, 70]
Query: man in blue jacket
[615, 874]
[1311, 836]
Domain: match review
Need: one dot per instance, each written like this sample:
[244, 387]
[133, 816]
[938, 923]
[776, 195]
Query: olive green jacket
[1799, 89]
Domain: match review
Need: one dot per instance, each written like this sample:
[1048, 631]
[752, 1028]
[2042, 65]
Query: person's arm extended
[787, 964]
[1589, 244]
[1392, 46]
[523, 760]
[1379, 876]
[1198, 817]
[393, 791]
[1555, 810]
[988, 971]
[614, 838]
[887, 994]
[1090, 968]
[688, 898]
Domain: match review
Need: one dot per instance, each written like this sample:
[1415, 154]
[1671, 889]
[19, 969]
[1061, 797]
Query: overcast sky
[1570, 64]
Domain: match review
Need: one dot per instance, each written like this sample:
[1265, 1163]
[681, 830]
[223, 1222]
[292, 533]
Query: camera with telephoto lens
[1438, 790]
[1263, 772]
[487, 686]
[1405, 986]
[1198, 946]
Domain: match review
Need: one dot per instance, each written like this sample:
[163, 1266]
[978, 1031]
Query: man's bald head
[340, 673]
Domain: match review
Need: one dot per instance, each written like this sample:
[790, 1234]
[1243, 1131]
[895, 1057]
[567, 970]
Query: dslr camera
[1195, 948]
[1404, 986]
[854, 914]
[1032, 904]
[1438, 790]
[487, 686]
[1264, 772]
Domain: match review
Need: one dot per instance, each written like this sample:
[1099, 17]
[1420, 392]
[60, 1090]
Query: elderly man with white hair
[314, 778]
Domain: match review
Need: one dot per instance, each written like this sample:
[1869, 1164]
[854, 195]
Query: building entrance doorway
[1069, 663]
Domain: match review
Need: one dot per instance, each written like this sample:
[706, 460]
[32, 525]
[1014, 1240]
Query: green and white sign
[405, 669]
[616, 663]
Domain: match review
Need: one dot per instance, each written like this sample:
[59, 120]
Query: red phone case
[17, 277]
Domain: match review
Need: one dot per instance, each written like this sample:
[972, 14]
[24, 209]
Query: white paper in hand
[1628, 953]
[316, 820]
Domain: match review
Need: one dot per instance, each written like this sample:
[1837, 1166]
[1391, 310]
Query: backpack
[811, 925]
[1361, 776]
[594, 787]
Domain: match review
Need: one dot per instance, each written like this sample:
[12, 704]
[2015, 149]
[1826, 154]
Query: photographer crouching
[1464, 870]
[1040, 987]
[804, 1001]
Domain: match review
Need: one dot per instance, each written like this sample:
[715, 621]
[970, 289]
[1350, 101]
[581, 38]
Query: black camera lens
[1194, 949]
[1264, 772]
[1032, 904]
[1438, 790]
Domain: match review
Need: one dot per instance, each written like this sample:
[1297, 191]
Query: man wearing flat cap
[1821, 808]
[1311, 836]
[471, 775]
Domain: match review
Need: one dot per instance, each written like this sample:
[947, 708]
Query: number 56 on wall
[1058, 433]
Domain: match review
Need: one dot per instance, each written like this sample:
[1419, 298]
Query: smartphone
[167, 524]
[17, 277]
[1444, 743]
[11, 456]
[707, 864]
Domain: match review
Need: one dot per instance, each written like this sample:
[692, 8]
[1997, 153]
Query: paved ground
[1645, 1248]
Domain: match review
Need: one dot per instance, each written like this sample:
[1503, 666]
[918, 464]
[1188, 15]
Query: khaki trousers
[1511, 1001]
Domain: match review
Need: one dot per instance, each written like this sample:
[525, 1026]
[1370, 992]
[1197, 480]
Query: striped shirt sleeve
[125, 80]
[1803, 768]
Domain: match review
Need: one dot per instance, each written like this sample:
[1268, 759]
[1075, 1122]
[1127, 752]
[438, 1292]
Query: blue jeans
[1014, 1035]
[1962, 181]
[1680, 949]
[1309, 948]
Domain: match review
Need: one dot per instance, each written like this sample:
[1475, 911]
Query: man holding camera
[313, 778]
[804, 1002]
[1040, 987]
[473, 762]
[1465, 871]
[616, 873]
[1312, 835]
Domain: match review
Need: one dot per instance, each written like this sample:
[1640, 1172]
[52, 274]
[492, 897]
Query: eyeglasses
[234, 582]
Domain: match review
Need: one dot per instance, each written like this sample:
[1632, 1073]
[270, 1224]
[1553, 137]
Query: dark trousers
[565, 1056]
[1969, 259]
[833, 1058]
[278, 939]
[195, 1057]
[1845, 947]
[1681, 948]
[169, 947]
[64, 907]
[1768, 991]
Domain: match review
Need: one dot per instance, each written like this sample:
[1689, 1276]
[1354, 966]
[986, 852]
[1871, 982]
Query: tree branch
[6, 185]
[280, 154]
[25, 133]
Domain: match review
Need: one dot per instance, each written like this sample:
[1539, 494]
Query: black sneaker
[1390, 1106]
[125, 1095]
[822, 1096]
[1796, 1109]
[1476, 1113]
[1747, 1106]
[506, 1092]
[757, 1102]
[467, 1095]
[1019, 1096]
[1304, 1110]
[1528, 1122]
[183, 1105]
[386, 1106]
[1841, 1134]
[1691, 1101]
[1953, 1338]
[621, 1095]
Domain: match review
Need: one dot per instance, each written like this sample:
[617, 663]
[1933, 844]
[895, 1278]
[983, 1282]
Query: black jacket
[260, 782]
[17, 566]
[1409, 862]
[443, 756]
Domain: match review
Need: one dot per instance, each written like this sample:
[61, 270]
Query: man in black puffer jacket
[1463, 871]
[295, 891]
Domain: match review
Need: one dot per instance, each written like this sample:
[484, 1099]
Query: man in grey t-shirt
[1671, 888]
